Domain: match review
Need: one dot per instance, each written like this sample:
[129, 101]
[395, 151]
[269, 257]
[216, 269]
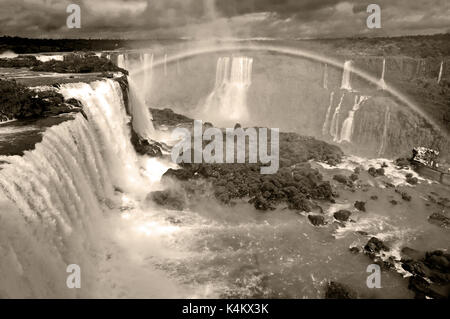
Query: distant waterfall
[334, 127]
[140, 112]
[347, 126]
[46, 58]
[325, 77]
[420, 64]
[122, 61]
[229, 97]
[441, 69]
[52, 198]
[384, 139]
[326, 123]
[346, 76]
[382, 83]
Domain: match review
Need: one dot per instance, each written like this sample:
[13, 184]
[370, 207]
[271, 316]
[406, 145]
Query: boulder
[375, 246]
[317, 220]
[342, 215]
[410, 179]
[361, 206]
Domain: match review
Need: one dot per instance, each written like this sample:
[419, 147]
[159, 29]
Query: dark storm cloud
[275, 18]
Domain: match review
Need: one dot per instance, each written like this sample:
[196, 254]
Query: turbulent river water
[79, 198]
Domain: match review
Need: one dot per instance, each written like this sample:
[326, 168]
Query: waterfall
[54, 197]
[334, 127]
[140, 112]
[103, 103]
[148, 67]
[441, 69]
[326, 123]
[382, 83]
[122, 61]
[228, 99]
[347, 126]
[325, 77]
[384, 139]
[346, 76]
[420, 64]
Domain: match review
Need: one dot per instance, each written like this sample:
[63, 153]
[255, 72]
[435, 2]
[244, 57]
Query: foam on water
[396, 175]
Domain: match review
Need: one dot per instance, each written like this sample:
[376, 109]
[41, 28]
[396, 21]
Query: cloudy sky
[222, 18]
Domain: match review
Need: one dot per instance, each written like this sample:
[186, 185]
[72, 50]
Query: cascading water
[325, 77]
[229, 97]
[59, 191]
[347, 126]
[122, 61]
[61, 204]
[326, 123]
[140, 113]
[441, 70]
[384, 139]
[346, 76]
[382, 83]
[334, 127]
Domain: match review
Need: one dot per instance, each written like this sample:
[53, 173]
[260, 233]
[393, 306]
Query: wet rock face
[431, 273]
[145, 147]
[337, 290]
[342, 215]
[383, 128]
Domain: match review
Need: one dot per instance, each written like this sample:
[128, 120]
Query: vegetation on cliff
[19, 102]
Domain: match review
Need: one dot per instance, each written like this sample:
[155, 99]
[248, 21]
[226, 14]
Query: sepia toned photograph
[224, 150]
